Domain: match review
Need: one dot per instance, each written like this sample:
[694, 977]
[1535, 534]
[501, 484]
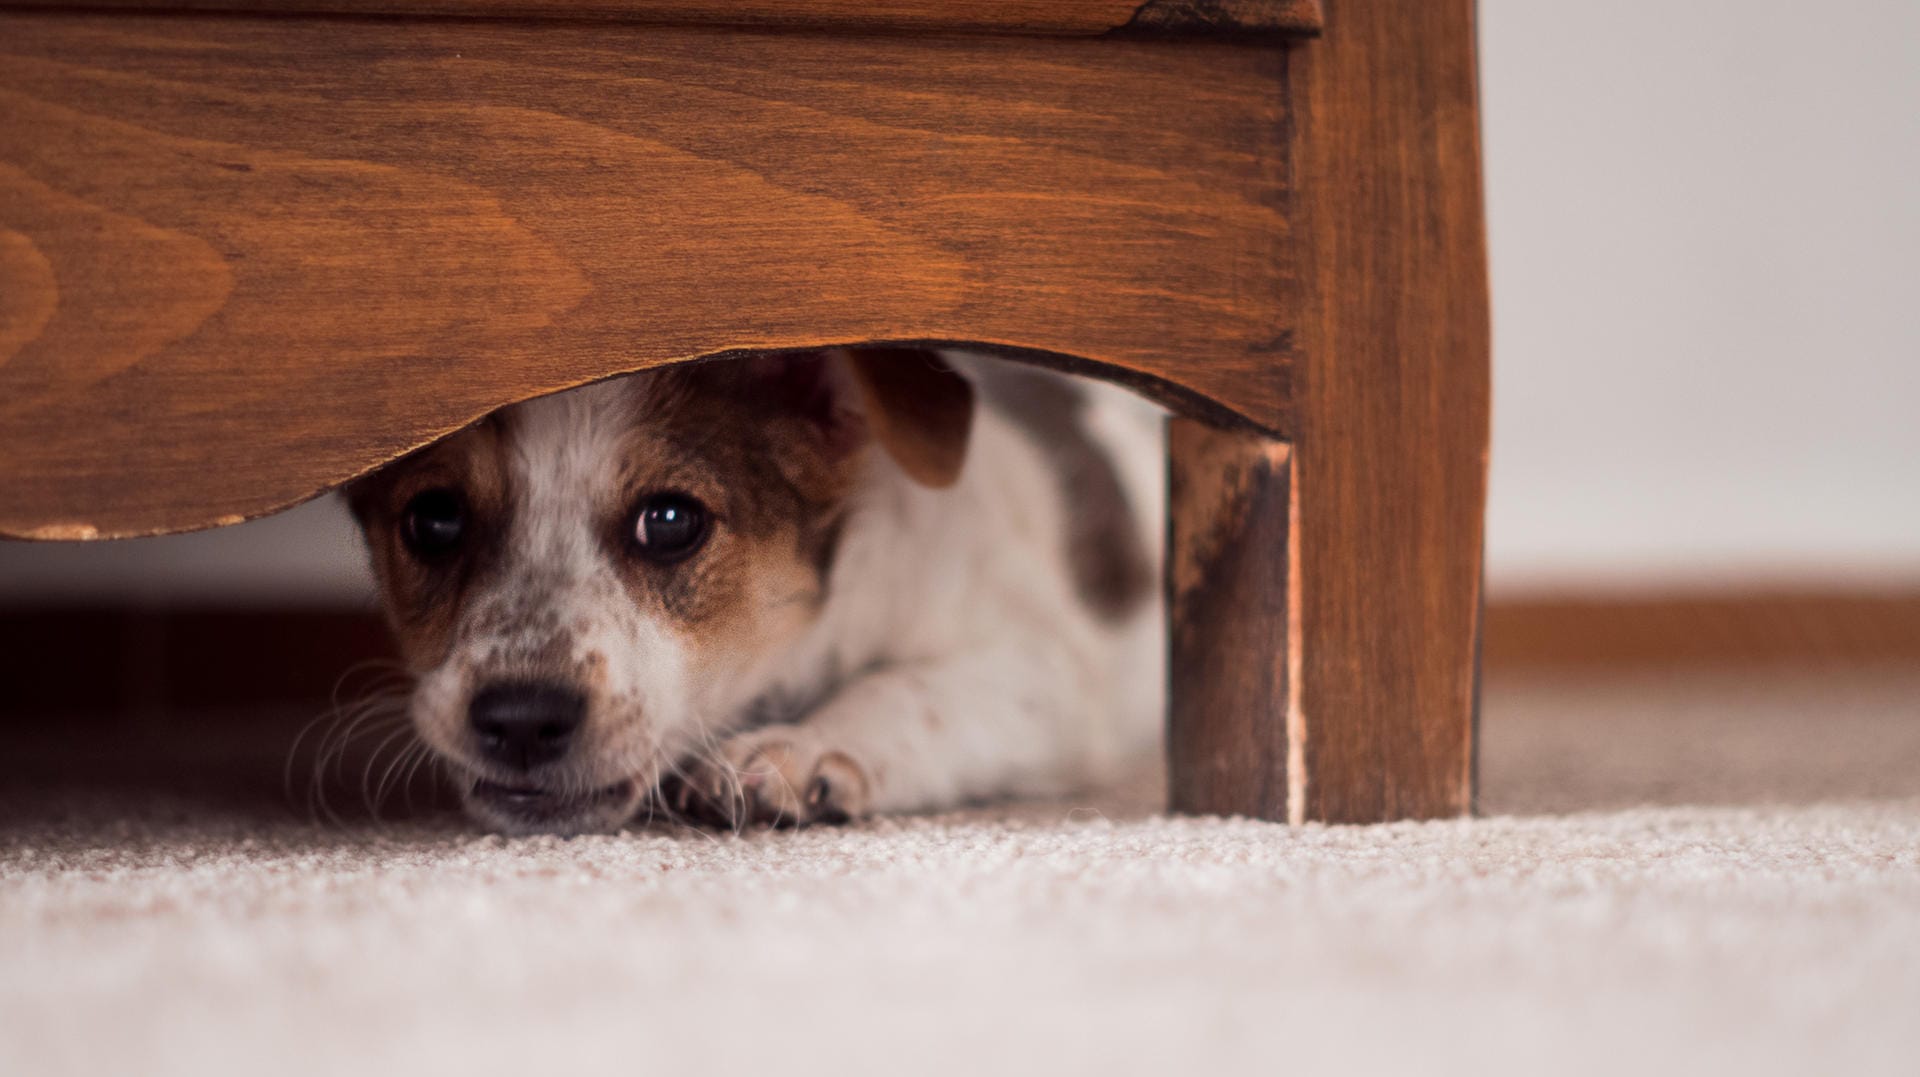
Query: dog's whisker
[332, 734]
[396, 736]
[333, 756]
[711, 754]
[395, 782]
[368, 795]
[422, 752]
[421, 755]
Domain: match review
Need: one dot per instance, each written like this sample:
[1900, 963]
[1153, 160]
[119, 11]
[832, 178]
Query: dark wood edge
[1175, 398]
[1225, 18]
[1221, 19]
[104, 661]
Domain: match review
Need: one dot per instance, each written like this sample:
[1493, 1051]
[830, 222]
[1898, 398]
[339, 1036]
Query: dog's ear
[919, 409]
[907, 400]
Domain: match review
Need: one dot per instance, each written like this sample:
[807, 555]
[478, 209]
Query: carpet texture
[1700, 875]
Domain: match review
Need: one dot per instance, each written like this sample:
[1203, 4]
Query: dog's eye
[668, 527]
[435, 522]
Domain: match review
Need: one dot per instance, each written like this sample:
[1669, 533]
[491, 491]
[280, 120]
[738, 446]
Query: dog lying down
[790, 590]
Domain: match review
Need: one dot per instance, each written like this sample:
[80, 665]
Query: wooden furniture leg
[1328, 671]
[1233, 727]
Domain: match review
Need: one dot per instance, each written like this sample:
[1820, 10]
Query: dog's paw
[779, 776]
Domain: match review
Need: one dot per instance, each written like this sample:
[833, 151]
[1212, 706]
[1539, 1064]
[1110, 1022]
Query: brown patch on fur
[424, 599]
[1105, 551]
[773, 478]
[919, 408]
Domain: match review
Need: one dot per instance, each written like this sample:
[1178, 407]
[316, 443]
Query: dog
[792, 589]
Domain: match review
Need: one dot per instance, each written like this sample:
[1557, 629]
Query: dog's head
[584, 583]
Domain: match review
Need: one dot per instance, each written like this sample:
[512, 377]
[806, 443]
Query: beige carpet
[1705, 875]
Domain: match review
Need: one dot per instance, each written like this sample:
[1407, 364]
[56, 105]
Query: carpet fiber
[1673, 874]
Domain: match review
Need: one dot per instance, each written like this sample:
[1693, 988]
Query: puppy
[793, 589]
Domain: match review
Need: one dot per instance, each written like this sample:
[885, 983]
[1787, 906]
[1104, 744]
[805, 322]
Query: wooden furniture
[252, 248]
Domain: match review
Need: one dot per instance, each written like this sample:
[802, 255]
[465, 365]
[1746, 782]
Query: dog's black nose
[527, 723]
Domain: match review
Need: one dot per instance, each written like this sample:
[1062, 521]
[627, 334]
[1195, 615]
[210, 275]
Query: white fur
[987, 674]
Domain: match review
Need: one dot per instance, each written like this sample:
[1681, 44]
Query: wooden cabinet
[252, 248]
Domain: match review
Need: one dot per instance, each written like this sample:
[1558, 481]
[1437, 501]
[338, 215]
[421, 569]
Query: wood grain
[1230, 741]
[1236, 18]
[1392, 431]
[248, 259]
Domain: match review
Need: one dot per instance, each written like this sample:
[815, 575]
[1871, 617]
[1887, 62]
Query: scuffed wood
[1230, 18]
[1230, 595]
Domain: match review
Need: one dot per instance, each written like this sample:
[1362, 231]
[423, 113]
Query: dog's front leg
[911, 737]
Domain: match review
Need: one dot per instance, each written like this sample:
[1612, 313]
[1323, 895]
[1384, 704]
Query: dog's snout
[524, 724]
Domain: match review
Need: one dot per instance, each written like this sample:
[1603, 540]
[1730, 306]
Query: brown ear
[919, 409]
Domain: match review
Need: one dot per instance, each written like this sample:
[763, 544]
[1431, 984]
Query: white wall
[1705, 221]
[1705, 224]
